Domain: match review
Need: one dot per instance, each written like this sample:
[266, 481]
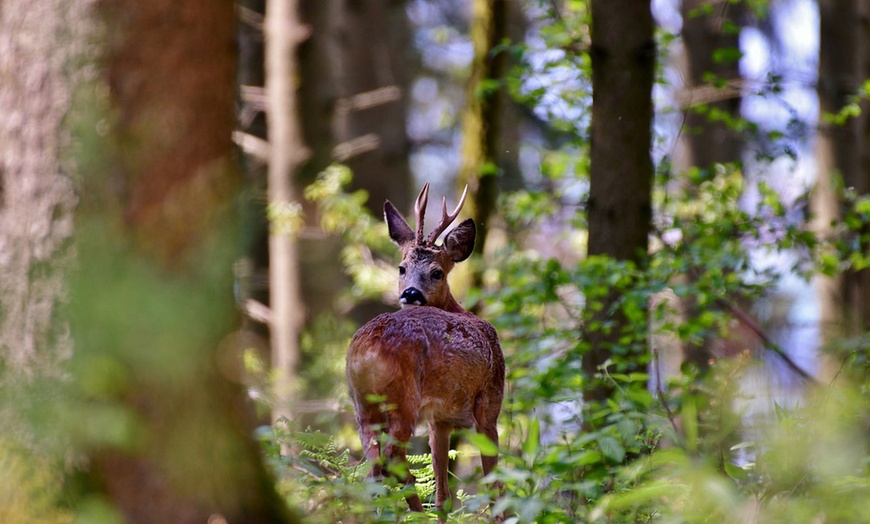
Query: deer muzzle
[412, 297]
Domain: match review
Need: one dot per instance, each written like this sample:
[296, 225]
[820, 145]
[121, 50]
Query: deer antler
[446, 219]
[420, 210]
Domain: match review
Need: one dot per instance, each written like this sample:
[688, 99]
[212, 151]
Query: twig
[768, 342]
[257, 311]
[842, 366]
[747, 321]
[660, 393]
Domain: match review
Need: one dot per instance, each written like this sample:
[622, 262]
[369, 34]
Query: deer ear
[460, 242]
[400, 232]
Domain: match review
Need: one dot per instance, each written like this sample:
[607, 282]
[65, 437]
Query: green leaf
[638, 377]
[533, 440]
[482, 443]
[530, 509]
[611, 448]
[734, 471]
[690, 423]
[627, 429]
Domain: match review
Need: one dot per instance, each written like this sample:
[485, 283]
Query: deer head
[424, 267]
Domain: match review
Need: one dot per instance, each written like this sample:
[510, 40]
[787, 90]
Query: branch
[252, 145]
[768, 342]
[842, 366]
[257, 311]
[750, 323]
[660, 393]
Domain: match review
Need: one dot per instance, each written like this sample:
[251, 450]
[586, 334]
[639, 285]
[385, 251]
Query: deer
[430, 361]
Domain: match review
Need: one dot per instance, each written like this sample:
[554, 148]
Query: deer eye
[401, 270]
[437, 274]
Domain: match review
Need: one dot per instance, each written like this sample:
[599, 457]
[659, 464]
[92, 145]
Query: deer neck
[451, 305]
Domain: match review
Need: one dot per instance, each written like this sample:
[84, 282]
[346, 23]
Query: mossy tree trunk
[842, 160]
[621, 170]
[160, 408]
[490, 140]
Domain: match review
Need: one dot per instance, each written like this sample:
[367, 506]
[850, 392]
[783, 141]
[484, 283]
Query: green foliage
[29, 487]
[687, 448]
[323, 345]
[285, 218]
[564, 105]
[563, 460]
[330, 485]
[365, 236]
[852, 109]
[808, 463]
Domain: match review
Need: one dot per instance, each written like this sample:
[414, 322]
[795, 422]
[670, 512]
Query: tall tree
[712, 90]
[319, 58]
[353, 93]
[372, 78]
[287, 152]
[621, 170]
[710, 101]
[37, 42]
[156, 375]
[489, 142]
[844, 300]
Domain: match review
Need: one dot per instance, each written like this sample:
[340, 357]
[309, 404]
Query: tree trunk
[372, 80]
[286, 153]
[621, 171]
[490, 140]
[319, 56]
[711, 45]
[353, 102]
[38, 39]
[160, 405]
[845, 300]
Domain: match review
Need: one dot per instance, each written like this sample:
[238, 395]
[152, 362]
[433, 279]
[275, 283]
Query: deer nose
[412, 297]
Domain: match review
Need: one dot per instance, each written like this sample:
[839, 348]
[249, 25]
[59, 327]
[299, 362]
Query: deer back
[428, 363]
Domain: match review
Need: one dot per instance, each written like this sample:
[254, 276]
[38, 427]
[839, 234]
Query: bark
[844, 300]
[709, 140]
[487, 141]
[286, 153]
[38, 40]
[621, 171]
[512, 115]
[354, 76]
[319, 60]
[372, 79]
[164, 417]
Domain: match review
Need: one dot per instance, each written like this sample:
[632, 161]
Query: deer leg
[488, 462]
[371, 448]
[439, 443]
[371, 427]
[401, 430]
[486, 422]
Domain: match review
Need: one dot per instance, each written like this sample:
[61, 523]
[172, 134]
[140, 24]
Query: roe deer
[433, 362]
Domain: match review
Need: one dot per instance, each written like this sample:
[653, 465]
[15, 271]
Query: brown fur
[435, 363]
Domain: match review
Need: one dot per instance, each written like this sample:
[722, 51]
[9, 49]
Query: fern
[424, 474]
[331, 486]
